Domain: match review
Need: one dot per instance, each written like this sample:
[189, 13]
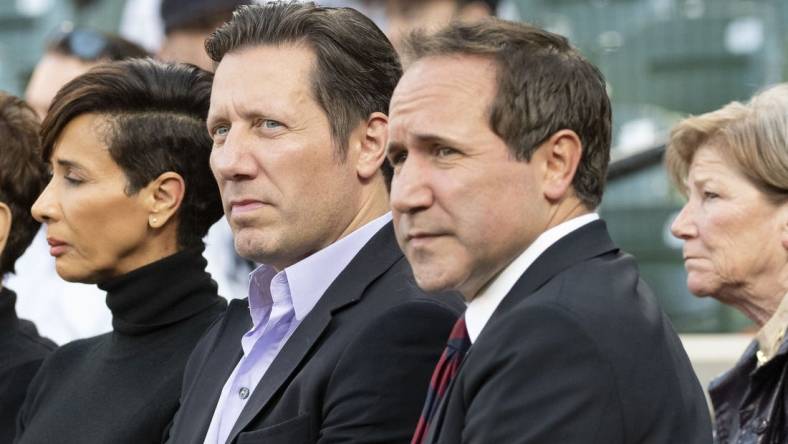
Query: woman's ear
[165, 194]
[372, 151]
[5, 225]
[783, 214]
[562, 153]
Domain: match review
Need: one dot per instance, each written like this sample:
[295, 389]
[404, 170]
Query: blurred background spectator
[72, 52]
[403, 16]
[186, 25]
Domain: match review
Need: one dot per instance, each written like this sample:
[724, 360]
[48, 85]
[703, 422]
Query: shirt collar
[309, 278]
[481, 308]
[770, 336]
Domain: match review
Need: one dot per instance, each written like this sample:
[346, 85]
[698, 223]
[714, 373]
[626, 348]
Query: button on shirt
[278, 302]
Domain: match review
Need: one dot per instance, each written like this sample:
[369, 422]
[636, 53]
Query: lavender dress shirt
[278, 302]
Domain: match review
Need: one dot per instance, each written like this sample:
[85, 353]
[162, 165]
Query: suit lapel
[377, 256]
[586, 242]
[224, 356]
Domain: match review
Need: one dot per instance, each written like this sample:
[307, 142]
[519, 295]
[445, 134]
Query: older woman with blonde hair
[732, 165]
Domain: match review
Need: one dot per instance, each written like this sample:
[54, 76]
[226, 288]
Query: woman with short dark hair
[130, 199]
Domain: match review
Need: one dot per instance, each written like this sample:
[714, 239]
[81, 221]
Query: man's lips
[245, 205]
[416, 238]
[56, 246]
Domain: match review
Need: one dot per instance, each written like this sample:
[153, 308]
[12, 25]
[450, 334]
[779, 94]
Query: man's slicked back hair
[357, 68]
[23, 175]
[543, 86]
[155, 122]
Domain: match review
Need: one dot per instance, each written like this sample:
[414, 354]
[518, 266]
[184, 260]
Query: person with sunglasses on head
[130, 199]
[71, 52]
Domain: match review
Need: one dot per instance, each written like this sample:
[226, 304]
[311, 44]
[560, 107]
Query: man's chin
[433, 281]
[251, 247]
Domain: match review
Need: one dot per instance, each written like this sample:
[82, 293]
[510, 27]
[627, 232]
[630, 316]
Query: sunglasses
[85, 44]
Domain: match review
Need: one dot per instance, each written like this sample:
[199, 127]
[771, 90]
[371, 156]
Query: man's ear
[372, 152]
[5, 225]
[165, 194]
[562, 152]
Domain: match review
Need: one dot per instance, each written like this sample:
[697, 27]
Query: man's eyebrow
[213, 118]
[432, 139]
[422, 139]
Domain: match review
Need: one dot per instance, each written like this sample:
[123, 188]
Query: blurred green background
[663, 59]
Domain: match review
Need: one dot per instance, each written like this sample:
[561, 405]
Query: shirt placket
[265, 347]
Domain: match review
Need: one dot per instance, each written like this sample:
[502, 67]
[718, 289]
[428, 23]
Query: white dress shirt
[482, 307]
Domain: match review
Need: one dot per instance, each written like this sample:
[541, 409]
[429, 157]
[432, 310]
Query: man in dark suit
[335, 342]
[500, 140]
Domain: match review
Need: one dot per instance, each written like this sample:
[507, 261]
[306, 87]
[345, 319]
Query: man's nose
[234, 159]
[411, 189]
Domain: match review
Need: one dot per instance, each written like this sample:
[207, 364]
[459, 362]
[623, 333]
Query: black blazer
[356, 369]
[577, 352]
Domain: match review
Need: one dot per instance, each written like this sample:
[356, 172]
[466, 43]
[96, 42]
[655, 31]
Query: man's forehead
[460, 73]
[442, 84]
[261, 70]
[285, 57]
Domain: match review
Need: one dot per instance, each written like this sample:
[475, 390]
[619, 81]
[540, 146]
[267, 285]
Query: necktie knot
[458, 338]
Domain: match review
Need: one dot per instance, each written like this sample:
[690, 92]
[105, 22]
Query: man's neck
[374, 203]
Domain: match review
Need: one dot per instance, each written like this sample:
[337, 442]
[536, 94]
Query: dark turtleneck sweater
[123, 386]
[21, 352]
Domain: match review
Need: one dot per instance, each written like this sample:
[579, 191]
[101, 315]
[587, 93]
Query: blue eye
[445, 151]
[220, 130]
[270, 124]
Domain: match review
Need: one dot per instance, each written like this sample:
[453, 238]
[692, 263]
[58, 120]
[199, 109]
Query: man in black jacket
[336, 342]
[22, 177]
[500, 140]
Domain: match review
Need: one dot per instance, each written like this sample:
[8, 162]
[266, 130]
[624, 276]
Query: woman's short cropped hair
[752, 136]
[155, 115]
[23, 175]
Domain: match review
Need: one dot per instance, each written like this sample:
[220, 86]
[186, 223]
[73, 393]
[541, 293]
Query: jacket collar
[586, 242]
[374, 259]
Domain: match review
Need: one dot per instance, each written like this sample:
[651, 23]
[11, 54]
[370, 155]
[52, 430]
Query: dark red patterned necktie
[447, 368]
